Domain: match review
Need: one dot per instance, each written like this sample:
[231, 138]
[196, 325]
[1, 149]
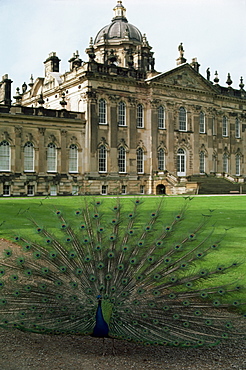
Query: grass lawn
[225, 213]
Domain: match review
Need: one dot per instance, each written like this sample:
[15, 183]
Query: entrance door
[160, 189]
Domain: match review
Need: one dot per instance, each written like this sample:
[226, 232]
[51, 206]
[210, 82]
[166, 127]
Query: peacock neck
[101, 328]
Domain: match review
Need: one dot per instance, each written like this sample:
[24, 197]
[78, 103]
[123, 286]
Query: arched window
[122, 114]
[237, 128]
[225, 163]
[181, 162]
[238, 165]
[140, 116]
[122, 159]
[202, 162]
[102, 158]
[4, 156]
[202, 122]
[140, 160]
[28, 157]
[51, 158]
[161, 159]
[161, 117]
[102, 111]
[224, 126]
[182, 119]
[73, 158]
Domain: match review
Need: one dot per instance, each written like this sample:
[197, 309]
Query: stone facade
[139, 131]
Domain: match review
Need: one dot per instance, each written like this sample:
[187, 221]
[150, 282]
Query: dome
[119, 28]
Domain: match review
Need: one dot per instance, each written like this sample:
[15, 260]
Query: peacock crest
[122, 274]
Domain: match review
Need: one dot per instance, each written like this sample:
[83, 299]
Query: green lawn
[225, 212]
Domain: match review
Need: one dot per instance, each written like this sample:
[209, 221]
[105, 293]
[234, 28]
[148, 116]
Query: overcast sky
[214, 31]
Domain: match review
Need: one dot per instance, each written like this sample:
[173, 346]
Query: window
[181, 162]
[53, 190]
[182, 119]
[202, 122]
[6, 190]
[142, 189]
[214, 160]
[123, 189]
[28, 157]
[51, 158]
[224, 127]
[104, 190]
[30, 190]
[202, 162]
[122, 159]
[73, 158]
[161, 159]
[4, 156]
[140, 116]
[225, 163]
[122, 114]
[102, 159]
[75, 190]
[237, 128]
[140, 160]
[238, 165]
[161, 117]
[102, 111]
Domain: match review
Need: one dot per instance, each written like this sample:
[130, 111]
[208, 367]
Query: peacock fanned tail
[125, 275]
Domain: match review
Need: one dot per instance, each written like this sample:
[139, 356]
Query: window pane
[4, 156]
[225, 126]
[161, 160]
[122, 114]
[102, 159]
[73, 158]
[51, 158]
[140, 162]
[28, 157]
[182, 119]
[238, 170]
[161, 117]
[140, 116]
[102, 111]
[237, 128]
[122, 159]
[202, 162]
[202, 122]
[225, 163]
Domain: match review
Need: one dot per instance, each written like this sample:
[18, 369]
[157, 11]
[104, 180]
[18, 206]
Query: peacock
[122, 272]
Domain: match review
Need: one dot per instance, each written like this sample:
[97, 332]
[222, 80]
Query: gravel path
[28, 351]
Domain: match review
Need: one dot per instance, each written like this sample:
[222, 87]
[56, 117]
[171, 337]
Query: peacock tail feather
[125, 276]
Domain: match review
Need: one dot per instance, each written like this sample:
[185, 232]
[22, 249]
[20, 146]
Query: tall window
[214, 128]
[238, 165]
[161, 159]
[4, 156]
[102, 111]
[140, 160]
[181, 162]
[182, 119]
[122, 159]
[28, 157]
[140, 116]
[102, 159]
[51, 158]
[202, 122]
[224, 127]
[225, 163]
[202, 162]
[122, 114]
[161, 117]
[73, 158]
[237, 128]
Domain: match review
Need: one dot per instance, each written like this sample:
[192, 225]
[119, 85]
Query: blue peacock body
[128, 276]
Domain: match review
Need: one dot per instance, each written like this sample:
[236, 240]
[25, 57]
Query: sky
[213, 31]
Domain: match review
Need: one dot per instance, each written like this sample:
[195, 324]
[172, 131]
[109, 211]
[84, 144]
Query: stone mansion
[114, 125]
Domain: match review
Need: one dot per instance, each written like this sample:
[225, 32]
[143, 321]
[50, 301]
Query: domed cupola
[123, 43]
[119, 29]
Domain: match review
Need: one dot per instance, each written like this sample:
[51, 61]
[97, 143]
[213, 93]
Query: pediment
[183, 76]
